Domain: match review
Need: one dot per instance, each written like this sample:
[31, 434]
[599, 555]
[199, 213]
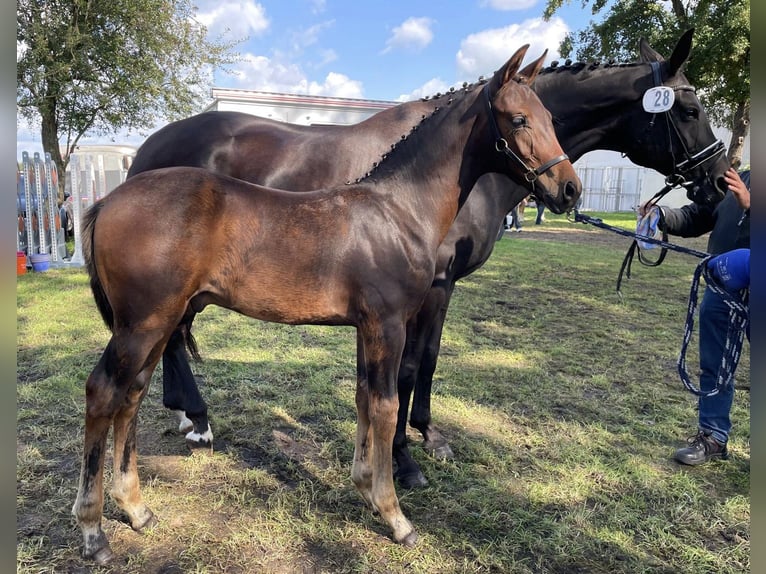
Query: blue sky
[395, 50]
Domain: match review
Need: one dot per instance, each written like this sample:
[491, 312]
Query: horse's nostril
[570, 191]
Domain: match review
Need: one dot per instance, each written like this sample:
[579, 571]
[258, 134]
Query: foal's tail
[88, 228]
[102, 302]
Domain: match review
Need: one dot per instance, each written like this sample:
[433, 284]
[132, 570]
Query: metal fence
[611, 188]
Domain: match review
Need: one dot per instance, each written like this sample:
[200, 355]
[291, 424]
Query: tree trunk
[739, 130]
[50, 141]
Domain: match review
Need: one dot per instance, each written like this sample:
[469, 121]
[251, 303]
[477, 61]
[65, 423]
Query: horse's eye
[518, 122]
[691, 113]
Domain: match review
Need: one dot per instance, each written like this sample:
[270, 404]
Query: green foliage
[720, 61]
[98, 66]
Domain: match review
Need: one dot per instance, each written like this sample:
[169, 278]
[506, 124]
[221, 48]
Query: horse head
[523, 128]
[696, 159]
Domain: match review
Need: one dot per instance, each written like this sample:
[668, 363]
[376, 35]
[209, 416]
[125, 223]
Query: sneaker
[702, 448]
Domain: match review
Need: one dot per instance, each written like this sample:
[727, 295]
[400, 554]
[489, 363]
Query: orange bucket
[21, 263]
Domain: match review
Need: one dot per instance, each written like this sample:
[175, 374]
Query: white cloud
[412, 34]
[318, 6]
[508, 4]
[430, 88]
[484, 52]
[231, 18]
[308, 36]
[268, 75]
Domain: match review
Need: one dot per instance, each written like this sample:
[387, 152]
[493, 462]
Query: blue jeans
[713, 326]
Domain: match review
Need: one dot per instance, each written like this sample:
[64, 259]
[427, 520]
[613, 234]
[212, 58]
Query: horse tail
[191, 343]
[88, 229]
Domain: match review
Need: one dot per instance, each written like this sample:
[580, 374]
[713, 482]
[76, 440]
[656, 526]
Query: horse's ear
[680, 52]
[648, 54]
[677, 59]
[529, 72]
[508, 71]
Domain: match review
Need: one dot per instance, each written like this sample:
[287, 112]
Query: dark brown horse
[594, 106]
[199, 238]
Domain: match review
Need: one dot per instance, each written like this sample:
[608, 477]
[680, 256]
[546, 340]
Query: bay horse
[199, 238]
[595, 106]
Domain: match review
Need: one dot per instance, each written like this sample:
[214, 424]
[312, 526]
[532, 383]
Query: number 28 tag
[658, 99]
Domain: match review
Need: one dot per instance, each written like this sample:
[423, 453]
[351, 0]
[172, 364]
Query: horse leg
[125, 487]
[89, 504]
[181, 394]
[105, 390]
[361, 468]
[431, 318]
[408, 473]
[382, 345]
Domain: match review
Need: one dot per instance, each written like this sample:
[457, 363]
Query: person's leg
[714, 411]
[540, 210]
[516, 218]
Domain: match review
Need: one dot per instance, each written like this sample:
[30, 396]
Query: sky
[395, 50]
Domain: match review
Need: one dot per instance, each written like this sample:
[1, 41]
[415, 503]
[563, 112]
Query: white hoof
[204, 439]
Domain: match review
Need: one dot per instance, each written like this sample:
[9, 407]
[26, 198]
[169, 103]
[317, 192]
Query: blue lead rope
[738, 303]
[739, 319]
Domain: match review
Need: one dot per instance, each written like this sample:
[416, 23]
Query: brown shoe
[702, 448]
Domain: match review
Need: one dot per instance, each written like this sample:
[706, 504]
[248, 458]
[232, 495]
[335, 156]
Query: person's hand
[731, 269]
[737, 187]
[644, 208]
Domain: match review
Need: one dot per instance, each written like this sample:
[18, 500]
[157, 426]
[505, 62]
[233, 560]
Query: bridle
[501, 145]
[691, 161]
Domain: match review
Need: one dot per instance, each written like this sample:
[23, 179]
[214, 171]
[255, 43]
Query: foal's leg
[105, 392]
[125, 487]
[89, 504]
[180, 393]
[382, 353]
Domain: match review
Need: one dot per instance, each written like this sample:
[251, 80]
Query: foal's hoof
[439, 450]
[149, 523]
[410, 540]
[410, 480]
[103, 556]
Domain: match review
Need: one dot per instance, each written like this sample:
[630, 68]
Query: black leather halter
[501, 145]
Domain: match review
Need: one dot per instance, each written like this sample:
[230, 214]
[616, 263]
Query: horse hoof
[149, 523]
[410, 540]
[103, 556]
[440, 451]
[411, 480]
[200, 443]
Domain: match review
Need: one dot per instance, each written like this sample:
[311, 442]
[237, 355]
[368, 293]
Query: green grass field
[560, 400]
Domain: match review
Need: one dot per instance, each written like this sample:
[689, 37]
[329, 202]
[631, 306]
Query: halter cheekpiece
[501, 145]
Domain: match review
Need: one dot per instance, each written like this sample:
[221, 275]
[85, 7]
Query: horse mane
[450, 95]
[570, 66]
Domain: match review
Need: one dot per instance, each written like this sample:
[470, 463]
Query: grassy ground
[560, 400]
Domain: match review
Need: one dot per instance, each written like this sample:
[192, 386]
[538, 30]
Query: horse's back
[274, 153]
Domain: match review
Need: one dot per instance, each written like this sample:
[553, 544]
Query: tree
[99, 66]
[719, 64]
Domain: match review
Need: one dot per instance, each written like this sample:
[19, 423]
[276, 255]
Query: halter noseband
[501, 145]
[692, 161]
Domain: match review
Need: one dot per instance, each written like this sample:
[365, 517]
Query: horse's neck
[587, 105]
[392, 123]
[439, 161]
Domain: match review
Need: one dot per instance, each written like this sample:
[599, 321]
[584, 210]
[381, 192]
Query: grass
[559, 398]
